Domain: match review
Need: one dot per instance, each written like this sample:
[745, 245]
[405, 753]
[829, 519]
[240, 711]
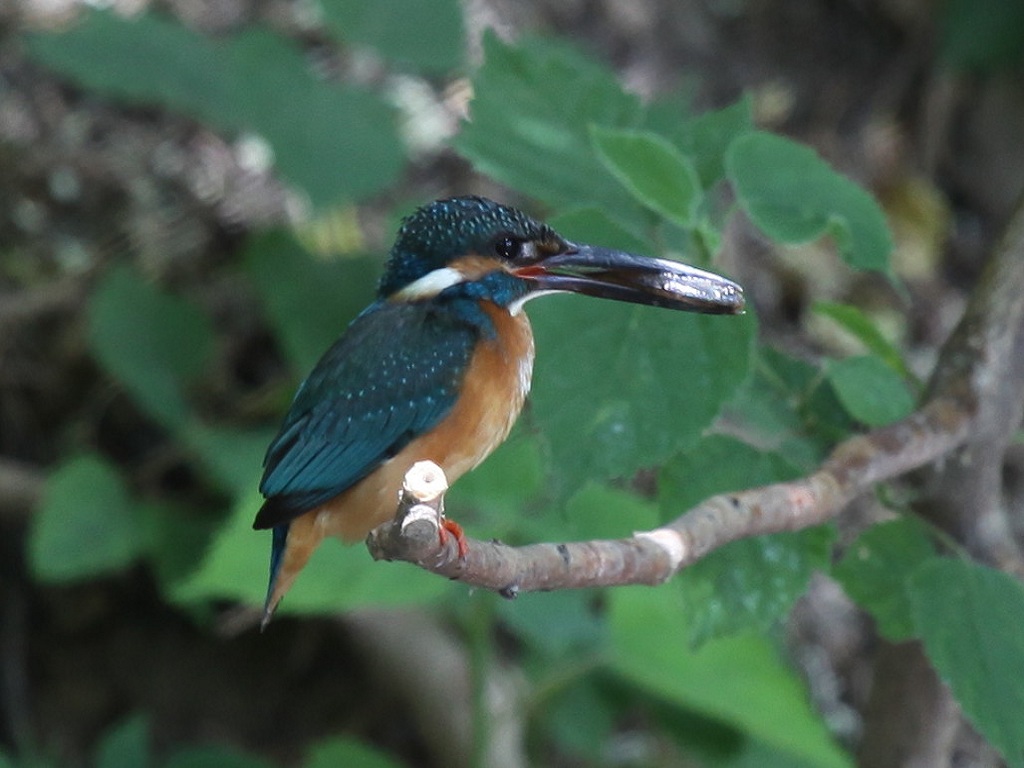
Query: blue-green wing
[392, 376]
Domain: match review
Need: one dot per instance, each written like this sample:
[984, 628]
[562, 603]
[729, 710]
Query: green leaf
[969, 618]
[542, 147]
[126, 745]
[337, 577]
[653, 171]
[876, 569]
[310, 301]
[793, 196]
[424, 34]
[774, 409]
[854, 321]
[738, 680]
[86, 524]
[253, 81]
[706, 138]
[617, 388]
[870, 391]
[214, 757]
[348, 753]
[155, 344]
[748, 584]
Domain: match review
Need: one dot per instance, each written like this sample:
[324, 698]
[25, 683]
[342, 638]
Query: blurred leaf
[86, 524]
[982, 35]
[870, 391]
[653, 171]
[581, 720]
[310, 301]
[338, 143]
[337, 577]
[876, 569]
[348, 753]
[748, 584]
[738, 680]
[599, 512]
[591, 225]
[793, 196]
[969, 618]
[501, 489]
[757, 754]
[546, 151]
[254, 80]
[178, 69]
[154, 343]
[126, 745]
[179, 537]
[716, 464]
[854, 321]
[214, 757]
[232, 458]
[706, 137]
[618, 388]
[556, 623]
[425, 34]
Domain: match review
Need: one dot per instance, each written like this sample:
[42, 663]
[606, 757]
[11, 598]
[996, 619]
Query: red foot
[450, 526]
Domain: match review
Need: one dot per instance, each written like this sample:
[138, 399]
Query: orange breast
[492, 395]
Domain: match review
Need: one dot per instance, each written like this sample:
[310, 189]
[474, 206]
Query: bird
[437, 367]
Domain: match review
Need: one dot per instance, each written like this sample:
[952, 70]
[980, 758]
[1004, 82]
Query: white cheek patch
[431, 284]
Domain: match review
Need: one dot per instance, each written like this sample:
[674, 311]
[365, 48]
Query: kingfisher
[437, 367]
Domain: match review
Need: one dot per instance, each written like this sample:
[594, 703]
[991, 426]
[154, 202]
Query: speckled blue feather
[392, 376]
[440, 231]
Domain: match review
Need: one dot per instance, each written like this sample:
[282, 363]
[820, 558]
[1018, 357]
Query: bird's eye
[507, 247]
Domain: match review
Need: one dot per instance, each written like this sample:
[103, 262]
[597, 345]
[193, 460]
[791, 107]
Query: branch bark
[652, 557]
[981, 366]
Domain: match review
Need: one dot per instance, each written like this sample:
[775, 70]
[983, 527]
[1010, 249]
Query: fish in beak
[610, 274]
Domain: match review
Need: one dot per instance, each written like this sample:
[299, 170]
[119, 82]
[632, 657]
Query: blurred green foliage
[629, 389]
[982, 36]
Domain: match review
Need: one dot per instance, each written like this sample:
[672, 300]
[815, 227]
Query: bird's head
[476, 247]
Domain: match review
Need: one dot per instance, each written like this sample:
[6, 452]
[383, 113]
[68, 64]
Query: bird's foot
[451, 527]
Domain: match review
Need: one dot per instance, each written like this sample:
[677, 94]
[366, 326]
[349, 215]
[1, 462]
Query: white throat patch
[517, 306]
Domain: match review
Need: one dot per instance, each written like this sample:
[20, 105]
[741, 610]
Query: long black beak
[610, 274]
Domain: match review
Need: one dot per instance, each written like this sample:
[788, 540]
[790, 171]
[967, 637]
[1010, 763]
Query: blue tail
[276, 554]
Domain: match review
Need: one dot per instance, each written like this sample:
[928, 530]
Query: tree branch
[652, 557]
[983, 364]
